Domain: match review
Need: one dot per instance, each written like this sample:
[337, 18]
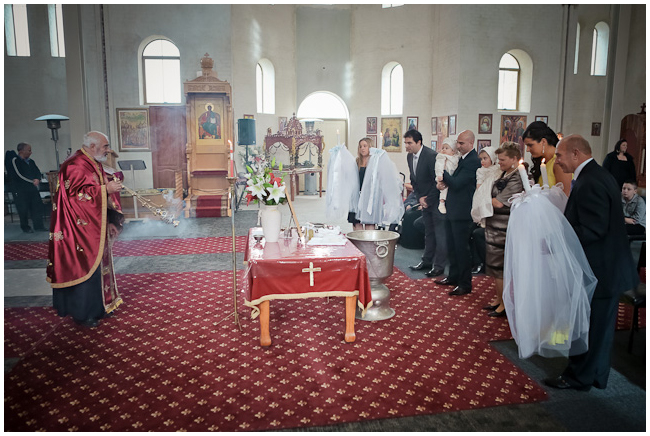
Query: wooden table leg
[350, 309]
[265, 336]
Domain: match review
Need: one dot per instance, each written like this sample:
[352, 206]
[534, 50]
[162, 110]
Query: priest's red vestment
[79, 237]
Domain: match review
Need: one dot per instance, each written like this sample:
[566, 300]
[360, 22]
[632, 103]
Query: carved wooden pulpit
[209, 128]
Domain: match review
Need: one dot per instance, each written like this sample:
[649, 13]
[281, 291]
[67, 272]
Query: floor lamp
[54, 124]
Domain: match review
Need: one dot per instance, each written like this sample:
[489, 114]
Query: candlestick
[524, 175]
[231, 168]
[542, 167]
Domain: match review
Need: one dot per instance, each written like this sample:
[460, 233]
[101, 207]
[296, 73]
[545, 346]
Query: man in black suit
[594, 211]
[462, 185]
[421, 161]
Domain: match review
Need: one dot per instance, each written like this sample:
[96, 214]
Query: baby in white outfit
[446, 160]
[485, 177]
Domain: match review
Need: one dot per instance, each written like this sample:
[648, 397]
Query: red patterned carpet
[161, 364]
[151, 247]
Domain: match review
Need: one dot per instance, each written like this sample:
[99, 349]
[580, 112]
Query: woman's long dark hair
[536, 131]
[617, 147]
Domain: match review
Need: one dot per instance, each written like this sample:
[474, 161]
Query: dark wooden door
[168, 138]
[633, 130]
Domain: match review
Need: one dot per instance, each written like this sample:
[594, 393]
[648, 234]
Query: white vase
[271, 221]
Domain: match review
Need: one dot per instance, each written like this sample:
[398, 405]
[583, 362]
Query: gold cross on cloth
[311, 271]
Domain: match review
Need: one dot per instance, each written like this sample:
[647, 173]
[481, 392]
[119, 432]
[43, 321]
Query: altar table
[288, 269]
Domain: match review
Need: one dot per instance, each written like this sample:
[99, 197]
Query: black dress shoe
[460, 291]
[420, 266]
[90, 322]
[496, 314]
[478, 269]
[435, 272]
[488, 307]
[28, 231]
[445, 282]
[562, 383]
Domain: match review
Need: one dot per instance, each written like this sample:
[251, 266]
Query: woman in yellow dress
[540, 141]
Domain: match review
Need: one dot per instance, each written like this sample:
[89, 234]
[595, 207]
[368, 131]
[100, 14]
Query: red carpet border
[150, 247]
[161, 364]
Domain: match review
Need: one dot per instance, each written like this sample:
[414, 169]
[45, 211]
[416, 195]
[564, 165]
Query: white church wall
[35, 86]
[379, 36]
[585, 94]
[487, 33]
[322, 50]
[635, 80]
[263, 31]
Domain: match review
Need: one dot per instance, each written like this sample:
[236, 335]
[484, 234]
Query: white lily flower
[276, 193]
[256, 190]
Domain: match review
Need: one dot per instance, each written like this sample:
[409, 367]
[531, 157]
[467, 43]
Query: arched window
[508, 83]
[323, 104]
[575, 59]
[161, 67]
[515, 81]
[392, 89]
[265, 80]
[599, 49]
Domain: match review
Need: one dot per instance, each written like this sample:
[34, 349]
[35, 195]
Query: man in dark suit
[421, 161]
[462, 185]
[594, 211]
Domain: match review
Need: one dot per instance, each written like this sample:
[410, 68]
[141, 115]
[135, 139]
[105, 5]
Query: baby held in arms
[485, 177]
[446, 160]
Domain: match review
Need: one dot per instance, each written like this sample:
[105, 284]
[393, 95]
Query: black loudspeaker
[246, 131]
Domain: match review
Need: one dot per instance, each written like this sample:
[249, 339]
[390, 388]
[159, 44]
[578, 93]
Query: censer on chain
[158, 211]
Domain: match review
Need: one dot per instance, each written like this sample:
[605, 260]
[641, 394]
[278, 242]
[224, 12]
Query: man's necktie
[573, 182]
[415, 164]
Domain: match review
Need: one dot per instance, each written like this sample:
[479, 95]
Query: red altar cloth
[275, 272]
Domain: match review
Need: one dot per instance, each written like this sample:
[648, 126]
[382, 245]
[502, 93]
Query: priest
[86, 219]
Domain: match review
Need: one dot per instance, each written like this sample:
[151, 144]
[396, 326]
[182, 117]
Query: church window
[575, 60]
[161, 65]
[55, 18]
[16, 30]
[265, 86]
[599, 49]
[390, 5]
[508, 83]
[323, 105]
[392, 89]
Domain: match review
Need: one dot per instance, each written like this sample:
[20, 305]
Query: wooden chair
[635, 297]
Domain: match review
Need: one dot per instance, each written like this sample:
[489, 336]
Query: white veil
[342, 195]
[381, 201]
[557, 196]
[547, 281]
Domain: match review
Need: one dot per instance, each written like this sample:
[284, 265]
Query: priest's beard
[101, 158]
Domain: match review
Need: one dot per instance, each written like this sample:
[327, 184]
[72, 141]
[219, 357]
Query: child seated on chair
[446, 159]
[633, 209]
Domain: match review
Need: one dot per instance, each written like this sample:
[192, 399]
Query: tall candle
[231, 169]
[542, 167]
[524, 175]
[338, 139]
